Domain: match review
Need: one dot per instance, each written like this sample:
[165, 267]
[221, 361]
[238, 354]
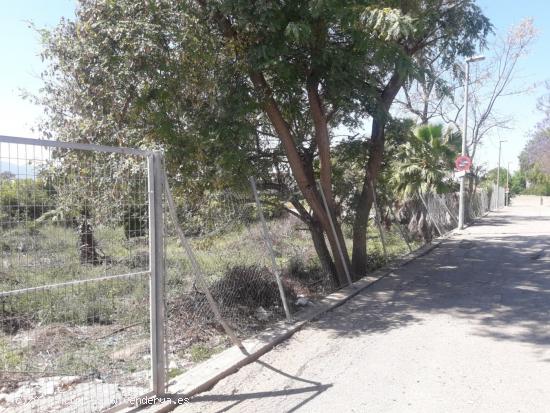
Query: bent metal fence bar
[81, 276]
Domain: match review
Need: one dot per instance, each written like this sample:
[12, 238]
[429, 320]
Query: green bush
[24, 199]
[542, 189]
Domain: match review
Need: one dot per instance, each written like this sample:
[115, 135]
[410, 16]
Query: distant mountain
[21, 170]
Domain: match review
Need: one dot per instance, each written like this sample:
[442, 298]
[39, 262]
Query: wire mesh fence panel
[501, 197]
[403, 223]
[439, 212]
[399, 237]
[225, 234]
[424, 216]
[478, 204]
[82, 296]
[74, 278]
[496, 197]
[298, 247]
[396, 238]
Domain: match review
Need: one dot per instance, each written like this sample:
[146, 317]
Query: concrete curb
[204, 376]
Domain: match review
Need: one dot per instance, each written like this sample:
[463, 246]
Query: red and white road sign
[463, 163]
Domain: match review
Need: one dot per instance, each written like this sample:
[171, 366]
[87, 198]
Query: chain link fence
[247, 252]
[240, 261]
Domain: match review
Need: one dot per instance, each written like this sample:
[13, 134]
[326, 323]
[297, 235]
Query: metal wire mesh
[395, 235]
[425, 216]
[294, 249]
[74, 278]
[440, 211]
[225, 234]
[478, 204]
[391, 237]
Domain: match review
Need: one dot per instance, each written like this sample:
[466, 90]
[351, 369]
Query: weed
[200, 352]
[175, 372]
[10, 359]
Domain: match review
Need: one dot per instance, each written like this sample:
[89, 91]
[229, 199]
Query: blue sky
[21, 66]
[533, 68]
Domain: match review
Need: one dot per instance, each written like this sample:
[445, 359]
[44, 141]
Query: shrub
[250, 286]
[23, 199]
[248, 298]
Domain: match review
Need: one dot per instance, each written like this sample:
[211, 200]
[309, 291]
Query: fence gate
[81, 276]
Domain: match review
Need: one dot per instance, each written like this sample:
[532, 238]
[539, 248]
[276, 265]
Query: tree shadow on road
[502, 284]
[313, 387]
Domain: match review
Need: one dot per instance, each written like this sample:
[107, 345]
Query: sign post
[463, 163]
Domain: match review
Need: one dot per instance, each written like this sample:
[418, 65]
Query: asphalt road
[462, 329]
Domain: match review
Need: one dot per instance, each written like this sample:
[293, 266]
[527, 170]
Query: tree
[424, 96]
[535, 157]
[535, 162]
[7, 176]
[230, 88]
[495, 81]
[490, 177]
[421, 166]
[517, 183]
[453, 30]
[23, 199]
[536, 153]
[442, 96]
[438, 92]
[425, 163]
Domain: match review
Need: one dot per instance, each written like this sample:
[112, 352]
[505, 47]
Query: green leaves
[298, 32]
[166, 74]
[387, 23]
[425, 162]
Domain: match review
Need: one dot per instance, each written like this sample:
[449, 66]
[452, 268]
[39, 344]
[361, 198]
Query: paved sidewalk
[462, 329]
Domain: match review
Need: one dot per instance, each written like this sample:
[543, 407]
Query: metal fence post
[269, 243]
[156, 291]
[340, 252]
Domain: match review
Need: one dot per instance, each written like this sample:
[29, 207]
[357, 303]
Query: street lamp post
[464, 137]
[507, 192]
[498, 172]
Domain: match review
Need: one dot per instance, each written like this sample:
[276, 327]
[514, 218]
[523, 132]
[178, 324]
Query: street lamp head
[475, 59]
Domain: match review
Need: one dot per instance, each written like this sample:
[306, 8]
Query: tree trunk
[339, 249]
[322, 251]
[374, 164]
[302, 171]
[319, 242]
[469, 191]
[376, 153]
[89, 253]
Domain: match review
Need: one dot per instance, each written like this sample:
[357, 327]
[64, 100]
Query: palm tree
[422, 165]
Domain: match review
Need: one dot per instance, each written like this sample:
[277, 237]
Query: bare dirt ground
[462, 329]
